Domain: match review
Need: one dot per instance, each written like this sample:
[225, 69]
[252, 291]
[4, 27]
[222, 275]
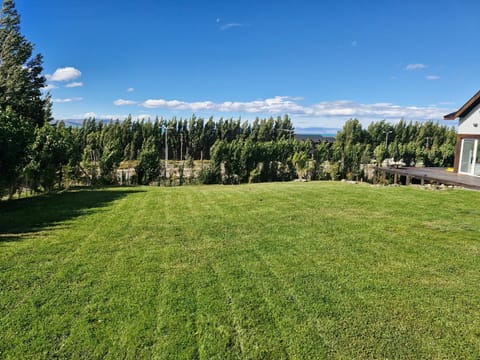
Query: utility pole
[386, 132]
[427, 145]
[166, 150]
[181, 146]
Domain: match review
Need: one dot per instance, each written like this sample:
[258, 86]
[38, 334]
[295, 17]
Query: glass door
[476, 166]
[466, 158]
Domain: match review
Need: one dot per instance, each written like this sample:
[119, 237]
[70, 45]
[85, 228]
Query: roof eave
[451, 116]
[465, 109]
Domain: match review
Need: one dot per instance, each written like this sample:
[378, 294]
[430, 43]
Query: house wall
[466, 124]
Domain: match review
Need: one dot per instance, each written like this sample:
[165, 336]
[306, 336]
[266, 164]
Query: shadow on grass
[23, 216]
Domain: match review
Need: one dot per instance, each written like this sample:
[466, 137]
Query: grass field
[293, 270]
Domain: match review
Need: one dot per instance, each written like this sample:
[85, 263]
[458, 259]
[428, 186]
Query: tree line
[234, 151]
[39, 154]
[92, 152]
[354, 151]
[23, 108]
[412, 144]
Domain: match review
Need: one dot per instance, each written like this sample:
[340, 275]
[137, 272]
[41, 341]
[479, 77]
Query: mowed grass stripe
[279, 301]
[285, 251]
[216, 335]
[114, 313]
[254, 271]
[288, 310]
[202, 305]
[224, 234]
[253, 341]
[176, 311]
[261, 333]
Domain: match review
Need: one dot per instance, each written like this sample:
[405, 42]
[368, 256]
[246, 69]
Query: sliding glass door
[476, 165]
[470, 157]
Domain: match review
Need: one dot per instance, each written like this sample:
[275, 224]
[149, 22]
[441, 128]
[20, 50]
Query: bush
[209, 175]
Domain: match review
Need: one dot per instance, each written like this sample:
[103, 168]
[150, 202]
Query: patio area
[430, 174]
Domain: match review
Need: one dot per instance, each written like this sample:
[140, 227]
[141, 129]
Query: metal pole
[181, 146]
[386, 138]
[166, 151]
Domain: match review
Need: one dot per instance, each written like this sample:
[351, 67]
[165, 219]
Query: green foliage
[299, 160]
[96, 148]
[49, 153]
[380, 153]
[90, 158]
[22, 106]
[401, 142]
[16, 133]
[209, 174]
[190, 162]
[239, 152]
[21, 80]
[255, 161]
[148, 168]
[111, 157]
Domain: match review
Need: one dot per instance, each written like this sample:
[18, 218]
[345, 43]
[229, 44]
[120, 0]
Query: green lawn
[292, 270]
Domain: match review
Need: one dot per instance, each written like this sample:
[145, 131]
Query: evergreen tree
[49, 153]
[22, 107]
[21, 79]
[16, 134]
[299, 160]
[148, 168]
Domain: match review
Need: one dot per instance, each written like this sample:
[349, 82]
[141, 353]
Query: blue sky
[322, 62]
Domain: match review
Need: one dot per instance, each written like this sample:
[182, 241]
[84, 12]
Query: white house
[467, 153]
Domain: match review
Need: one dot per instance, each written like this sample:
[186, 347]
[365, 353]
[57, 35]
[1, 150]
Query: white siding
[466, 123]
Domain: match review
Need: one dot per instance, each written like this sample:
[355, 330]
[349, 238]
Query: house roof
[465, 109]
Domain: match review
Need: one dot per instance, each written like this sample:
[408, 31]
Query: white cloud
[412, 67]
[320, 114]
[66, 100]
[433, 77]
[231, 25]
[64, 74]
[122, 102]
[376, 111]
[91, 114]
[178, 105]
[272, 105]
[130, 89]
[74, 84]
[340, 109]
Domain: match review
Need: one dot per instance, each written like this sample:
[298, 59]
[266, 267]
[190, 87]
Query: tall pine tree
[21, 79]
[22, 107]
